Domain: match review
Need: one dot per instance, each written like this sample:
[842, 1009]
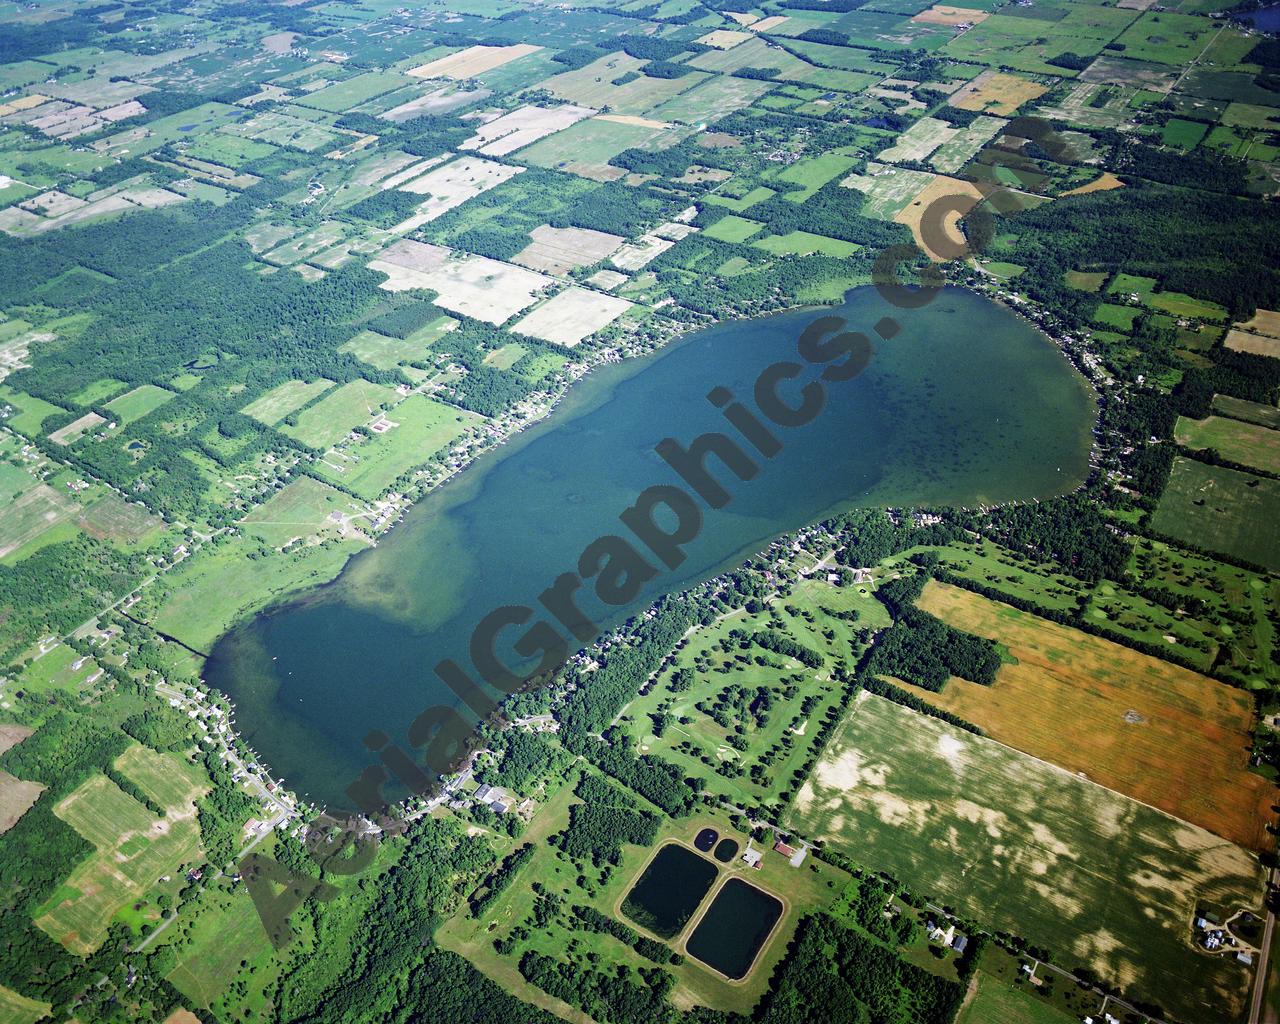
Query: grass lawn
[1183, 134]
[995, 1002]
[1119, 317]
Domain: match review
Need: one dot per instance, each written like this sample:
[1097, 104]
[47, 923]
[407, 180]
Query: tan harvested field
[1265, 321]
[642, 251]
[524, 127]
[182, 1016]
[438, 101]
[966, 196]
[918, 141]
[769, 24]
[1243, 341]
[941, 14]
[1105, 182]
[724, 38]
[474, 60]
[1150, 730]
[16, 798]
[74, 430]
[559, 250]
[475, 286]
[413, 255]
[607, 280]
[996, 92]
[279, 42]
[452, 185]
[573, 315]
[12, 735]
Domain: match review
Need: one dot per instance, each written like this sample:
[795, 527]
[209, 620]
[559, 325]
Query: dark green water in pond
[669, 891]
[734, 928]
[967, 404]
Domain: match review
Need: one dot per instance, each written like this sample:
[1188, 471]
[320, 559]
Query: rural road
[1260, 978]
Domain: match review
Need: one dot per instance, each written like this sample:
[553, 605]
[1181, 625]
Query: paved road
[1260, 979]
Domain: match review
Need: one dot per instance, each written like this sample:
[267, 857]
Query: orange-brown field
[1105, 182]
[1161, 734]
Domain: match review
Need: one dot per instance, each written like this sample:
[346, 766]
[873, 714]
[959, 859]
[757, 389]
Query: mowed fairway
[1103, 881]
[1161, 734]
[133, 848]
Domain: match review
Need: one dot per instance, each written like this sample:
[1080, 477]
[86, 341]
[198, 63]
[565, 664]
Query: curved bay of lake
[968, 404]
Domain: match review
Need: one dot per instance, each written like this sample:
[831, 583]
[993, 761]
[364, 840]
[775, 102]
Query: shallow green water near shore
[966, 405]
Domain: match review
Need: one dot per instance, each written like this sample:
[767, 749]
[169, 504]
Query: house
[483, 792]
[960, 943]
[1245, 958]
[784, 849]
[752, 858]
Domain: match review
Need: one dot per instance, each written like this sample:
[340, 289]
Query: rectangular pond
[734, 928]
[669, 890]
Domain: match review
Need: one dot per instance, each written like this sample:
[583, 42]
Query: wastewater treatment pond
[669, 890]
[735, 928]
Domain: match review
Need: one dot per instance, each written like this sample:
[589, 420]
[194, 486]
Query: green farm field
[133, 848]
[997, 1002]
[337, 414]
[1102, 881]
[302, 508]
[135, 404]
[1244, 443]
[280, 401]
[424, 427]
[1222, 510]
[1249, 412]
[18, 1009]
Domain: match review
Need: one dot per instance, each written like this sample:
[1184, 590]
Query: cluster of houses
[1214, 938]
[948, 936]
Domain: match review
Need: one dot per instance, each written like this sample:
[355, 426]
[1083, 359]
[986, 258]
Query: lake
[967, 404]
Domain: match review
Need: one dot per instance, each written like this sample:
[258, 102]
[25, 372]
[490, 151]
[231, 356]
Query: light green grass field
[227, 930]
[94, 393]
[29, 411]
[505, 357]
[133, 848]
[733, 229]
[300, 509]
[337, 414]
[387, 353]
[280, 401]
[996, 1002]
[18, 1009]
[209, 592]
[1100, 880]
[1245, 443]
[139, 402]
[371, 465]
[802, 243]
